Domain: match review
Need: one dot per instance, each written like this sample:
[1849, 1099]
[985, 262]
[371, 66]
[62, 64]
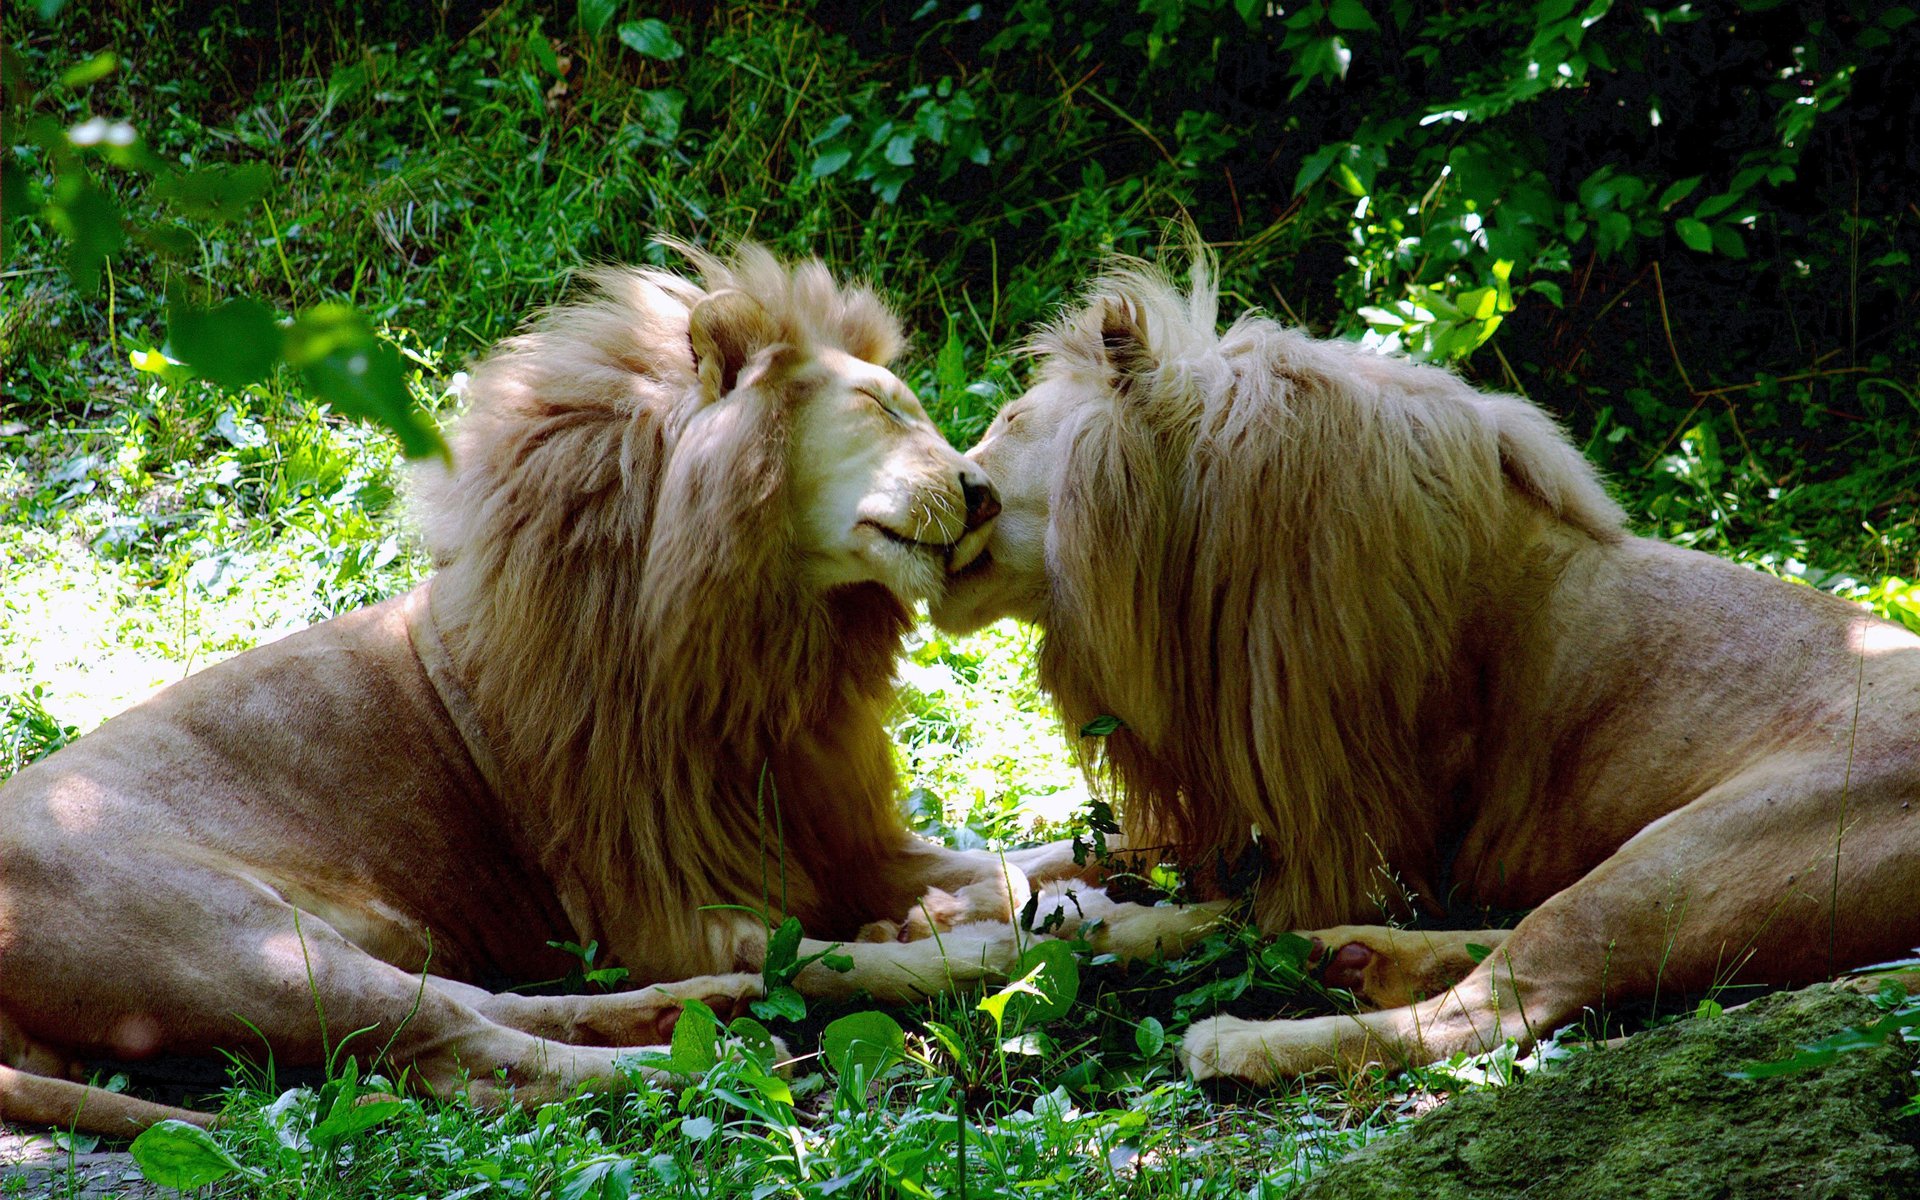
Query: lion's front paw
[1260, 1051]
[996, 898]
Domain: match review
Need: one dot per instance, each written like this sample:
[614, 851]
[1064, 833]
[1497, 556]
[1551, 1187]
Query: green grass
[444, 179]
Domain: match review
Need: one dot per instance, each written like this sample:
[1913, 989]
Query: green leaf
[697, 1129]
[950, 365]
[233, 345]
[349, 1118]
[1677, 191]
[833, 129]
[541, 51]
[1727, 241]
[1350, 15]
[783, 950]
[1150, 1036]
[178, 1155]
[90, 219]
[601, 1179]
[860, 1046]
[1314, 166]
[831, 161]
[781, 1003]
[1052, 977]
[1102, 726]
[218, 193]
[1477, 952]
[755, 1039]
[948, 1038]
[94, 69]
[1713, 206]
[593, 15]
[696, 1038]
[651, 38]
[899, 149]
[358, 374]
[1695, 234]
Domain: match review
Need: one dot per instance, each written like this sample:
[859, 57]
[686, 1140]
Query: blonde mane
[1263, 557]
[616, 582]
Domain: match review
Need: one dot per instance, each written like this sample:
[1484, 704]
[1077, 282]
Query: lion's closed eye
[885, 405]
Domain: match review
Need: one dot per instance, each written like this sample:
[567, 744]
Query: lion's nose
[983, 503]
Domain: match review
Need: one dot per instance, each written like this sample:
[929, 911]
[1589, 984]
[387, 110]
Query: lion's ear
[726, 329]
[1123, 336]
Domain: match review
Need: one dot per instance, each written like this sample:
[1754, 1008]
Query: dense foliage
[1689, 229]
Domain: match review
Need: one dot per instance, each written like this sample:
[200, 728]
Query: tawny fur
[1393, 628]
[1279, 585]
[646, 683]
[609, 610]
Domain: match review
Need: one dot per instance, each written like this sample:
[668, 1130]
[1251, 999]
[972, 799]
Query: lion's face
[878, 496]
[1003, 570]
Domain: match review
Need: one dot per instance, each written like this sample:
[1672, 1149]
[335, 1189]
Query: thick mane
[618, 587]
[1264, 551]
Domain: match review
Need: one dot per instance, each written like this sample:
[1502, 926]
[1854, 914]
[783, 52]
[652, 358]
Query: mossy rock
[1658, 1119]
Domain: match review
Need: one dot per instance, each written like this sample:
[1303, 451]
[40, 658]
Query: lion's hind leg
[1755, 881]
[205, 960]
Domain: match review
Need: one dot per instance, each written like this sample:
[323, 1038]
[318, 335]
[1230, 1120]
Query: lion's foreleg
[934, 888]
[645, 1016]
[958, 960]
[1388, 968]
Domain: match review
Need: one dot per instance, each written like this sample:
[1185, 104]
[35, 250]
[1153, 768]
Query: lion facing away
[1387, 636]
[675, 556]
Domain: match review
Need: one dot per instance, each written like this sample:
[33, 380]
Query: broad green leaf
[651, 38]
[358, 374]
[831, 131]
[1047, 981]
[1726, 240]
[1150, 1037]
[349, 1118]
[1102, 726]
[1477, 952]
[831, 161]
[697, 1129]
[1677, 191]
[783, 950]
[1314, 166]
[90, 220]
[860, 1046]
[155, 363]
[1695, 234]
[594, 15]
[1350, 15]
[781, 1003]
[755, 1039]
[696, 1038]
[233, 345]
[541, 51]
[601, 1179]
[178, 1155]
[172, 239]
[218, 193]
[948, 1038]
[94, 69]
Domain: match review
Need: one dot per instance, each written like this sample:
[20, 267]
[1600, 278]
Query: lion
[675, 555]
[1385, 635]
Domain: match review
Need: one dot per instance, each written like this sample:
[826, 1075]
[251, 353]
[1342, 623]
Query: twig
[1660, 294]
